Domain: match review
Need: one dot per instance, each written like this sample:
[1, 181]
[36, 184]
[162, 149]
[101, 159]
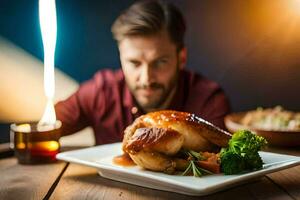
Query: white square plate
[101, 157]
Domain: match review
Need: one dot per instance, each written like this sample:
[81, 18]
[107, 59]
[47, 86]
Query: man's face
[150, 65]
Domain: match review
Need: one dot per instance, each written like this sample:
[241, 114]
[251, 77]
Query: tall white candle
[48, 24]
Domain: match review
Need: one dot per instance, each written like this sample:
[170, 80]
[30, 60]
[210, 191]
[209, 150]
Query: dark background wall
[252, 48]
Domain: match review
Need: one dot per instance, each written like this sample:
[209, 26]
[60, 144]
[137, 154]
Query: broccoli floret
[246, 142]
[242, 153]
[254, 161]
[232, 163]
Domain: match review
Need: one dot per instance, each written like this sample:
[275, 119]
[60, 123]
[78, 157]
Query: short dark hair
[150, 17]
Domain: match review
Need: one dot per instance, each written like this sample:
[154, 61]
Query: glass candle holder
[34, 144]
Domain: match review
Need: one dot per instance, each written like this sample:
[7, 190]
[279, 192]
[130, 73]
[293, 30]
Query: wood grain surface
[81, 182]
[27, 181]
[63, 181]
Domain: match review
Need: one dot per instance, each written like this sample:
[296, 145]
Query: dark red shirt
[106, 104]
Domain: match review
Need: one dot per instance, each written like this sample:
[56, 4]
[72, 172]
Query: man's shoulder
[106, 79]
[206, 98]
[198, 82]
[104, 82]
[108, 76]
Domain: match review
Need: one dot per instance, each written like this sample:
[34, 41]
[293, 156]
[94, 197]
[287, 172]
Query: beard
[160, 93]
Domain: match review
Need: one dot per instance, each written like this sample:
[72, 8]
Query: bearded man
[150, 38]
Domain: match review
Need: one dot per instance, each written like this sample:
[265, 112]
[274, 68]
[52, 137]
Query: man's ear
[182, 58]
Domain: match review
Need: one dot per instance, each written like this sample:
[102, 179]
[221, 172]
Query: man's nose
[146, 75]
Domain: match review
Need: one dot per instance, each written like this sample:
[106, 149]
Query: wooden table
[71, 181]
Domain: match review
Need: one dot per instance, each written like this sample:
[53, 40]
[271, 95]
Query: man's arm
[69, 112]
[76, 112]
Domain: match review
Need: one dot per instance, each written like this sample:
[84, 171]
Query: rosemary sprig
[187, 170]
[193, 168]
[204, 171]
[196, 171]
[193, 154]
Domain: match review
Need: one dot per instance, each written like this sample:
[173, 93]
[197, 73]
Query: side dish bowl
[274, 137]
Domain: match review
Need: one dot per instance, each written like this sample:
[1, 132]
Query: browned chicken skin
[153, 139]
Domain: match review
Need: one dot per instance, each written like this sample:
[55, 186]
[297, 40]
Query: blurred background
[250, 47]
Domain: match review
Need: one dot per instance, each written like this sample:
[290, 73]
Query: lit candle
[38, 142]
[48, 24]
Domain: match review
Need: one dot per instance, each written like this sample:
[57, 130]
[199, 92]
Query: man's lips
[148, 91]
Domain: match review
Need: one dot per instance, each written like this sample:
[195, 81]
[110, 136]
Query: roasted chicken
[153, 139]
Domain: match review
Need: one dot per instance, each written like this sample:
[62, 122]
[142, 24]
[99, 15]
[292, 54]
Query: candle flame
[47, 16]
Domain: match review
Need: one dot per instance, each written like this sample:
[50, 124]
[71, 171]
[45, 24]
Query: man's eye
[160, 63]
[135, 63]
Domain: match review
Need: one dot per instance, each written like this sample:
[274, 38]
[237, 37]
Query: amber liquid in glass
[36, 147]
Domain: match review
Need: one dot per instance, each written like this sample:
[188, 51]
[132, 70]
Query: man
[152, 53]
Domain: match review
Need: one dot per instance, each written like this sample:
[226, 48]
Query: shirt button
[134, 110]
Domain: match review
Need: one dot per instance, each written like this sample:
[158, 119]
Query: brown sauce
[123, 160]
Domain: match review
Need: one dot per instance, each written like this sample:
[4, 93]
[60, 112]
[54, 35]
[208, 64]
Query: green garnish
[187, 170]
[196, 171]
[242, 153]
[192, 155]
[193, 168]
[195, 154]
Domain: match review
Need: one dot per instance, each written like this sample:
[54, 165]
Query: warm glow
[44, 146]
[25, 128]
[47, 15]
[294, 6]
[49, 117]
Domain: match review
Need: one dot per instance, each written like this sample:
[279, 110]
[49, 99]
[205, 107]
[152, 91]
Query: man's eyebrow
[163, 57]
[166, 56]
[132, 59]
